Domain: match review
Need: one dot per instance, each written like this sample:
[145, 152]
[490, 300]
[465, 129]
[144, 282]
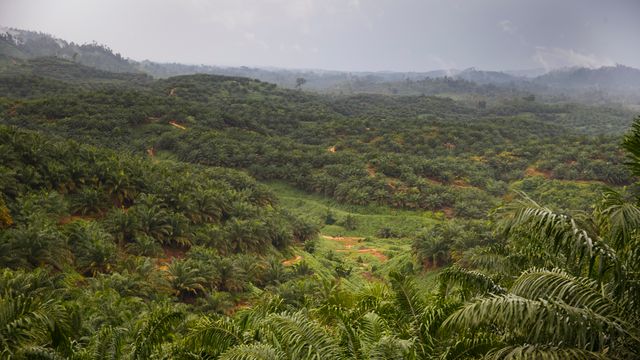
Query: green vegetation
[414, 152]
[212, 217]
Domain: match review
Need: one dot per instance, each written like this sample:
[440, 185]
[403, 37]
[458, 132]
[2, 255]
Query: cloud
[553, 58]
[507, 26]
[243, 14]
[252, 39]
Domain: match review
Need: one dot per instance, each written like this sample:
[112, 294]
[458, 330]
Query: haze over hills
[613, 83]
[172, 211]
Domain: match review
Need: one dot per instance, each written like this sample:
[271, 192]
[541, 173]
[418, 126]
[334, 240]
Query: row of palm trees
[551, 286]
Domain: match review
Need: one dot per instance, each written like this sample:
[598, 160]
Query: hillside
[208, 216]
[386, 150]
[25, 44]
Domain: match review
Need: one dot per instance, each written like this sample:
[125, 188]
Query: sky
[351, 35]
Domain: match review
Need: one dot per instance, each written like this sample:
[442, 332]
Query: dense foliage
[409, 152]
[132, 225]
[544, 285]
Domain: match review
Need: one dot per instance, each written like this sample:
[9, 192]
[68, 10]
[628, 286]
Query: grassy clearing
[361, 248]
[369, 219]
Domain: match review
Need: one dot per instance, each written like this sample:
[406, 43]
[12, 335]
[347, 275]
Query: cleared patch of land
[360, 247]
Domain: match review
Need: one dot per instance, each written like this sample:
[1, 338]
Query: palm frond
[631, 143]
[28, 322]
[37, 353]
[156, 329]
[472, 283]
[542, 352]
[300, 337]
[389, 347]
[408, 297]
[372, 327]
[256, 351]
[537, 321]
[469, 347]
[574, 291]
[623, 218]
[107, 345]
[213, 336]
[560, 233]
[495, 260]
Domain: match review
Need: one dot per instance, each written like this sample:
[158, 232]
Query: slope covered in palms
[207, 216]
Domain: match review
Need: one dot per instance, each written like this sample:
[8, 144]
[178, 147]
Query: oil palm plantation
[577, 296]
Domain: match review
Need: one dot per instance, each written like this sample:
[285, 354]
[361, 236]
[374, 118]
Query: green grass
[369, 219]
[363, 255]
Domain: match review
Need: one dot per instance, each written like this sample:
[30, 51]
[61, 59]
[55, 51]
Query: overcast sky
[347, 34]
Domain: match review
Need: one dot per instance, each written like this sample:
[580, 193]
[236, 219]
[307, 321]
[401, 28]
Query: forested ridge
[206, 216]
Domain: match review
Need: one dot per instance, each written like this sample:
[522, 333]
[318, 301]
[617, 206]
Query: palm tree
[144, 245]
[152, 218]
[246, 235]
[578, 298]
[209, 205]
[122, 225]
[34, 244]
[117, 181]
[94, 248]
[32, 321]
[88, 201]
[231, 277]
[582, 304]
[261, 333]
[156, 328]
[186, 279]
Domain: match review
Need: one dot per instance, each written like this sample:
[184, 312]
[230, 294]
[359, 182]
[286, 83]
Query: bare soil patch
[532, 171]
[349, 242]
[294, 260]
[371, 170]
[176, 125]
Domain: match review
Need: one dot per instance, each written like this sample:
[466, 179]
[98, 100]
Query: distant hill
[605, 78]
[25, 44]
[602, 85]
[487, 77]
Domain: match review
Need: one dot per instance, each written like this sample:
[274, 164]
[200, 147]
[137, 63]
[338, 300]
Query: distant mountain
[487, 77]
[527, 73]
[618, 83]
[25, 44]
[611, 78]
